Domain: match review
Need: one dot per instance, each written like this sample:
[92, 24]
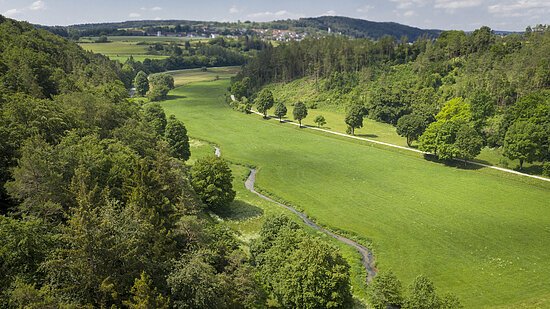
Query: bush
[546, 169]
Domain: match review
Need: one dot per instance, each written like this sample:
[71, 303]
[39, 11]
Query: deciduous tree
[523, 142]
[280, 111]
[141, 83]
[411, 126]
[212, 180]
[299, 112]
[354, 117]
[320, 120]
[264, 101]
[176, 135]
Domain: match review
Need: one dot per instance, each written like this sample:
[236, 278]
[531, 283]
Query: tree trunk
[408, 141]
[520, 164]
[300, 122]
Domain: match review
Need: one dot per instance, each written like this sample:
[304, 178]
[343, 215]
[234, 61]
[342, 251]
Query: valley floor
[479, 233]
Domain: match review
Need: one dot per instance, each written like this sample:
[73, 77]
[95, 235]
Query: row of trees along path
[367, 257]
[407, 148]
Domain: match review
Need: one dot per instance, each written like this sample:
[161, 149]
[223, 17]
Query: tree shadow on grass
[175, 97]
[535, 169]
[239, 210]
[453, 163]
[367, 135]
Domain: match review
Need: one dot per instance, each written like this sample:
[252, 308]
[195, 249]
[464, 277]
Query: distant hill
[352, 27]
[360, 28]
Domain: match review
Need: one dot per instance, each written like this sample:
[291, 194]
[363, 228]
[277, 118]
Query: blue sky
[440, 14]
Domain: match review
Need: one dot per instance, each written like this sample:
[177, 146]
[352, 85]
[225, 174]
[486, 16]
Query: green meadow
[183, 77]
[306, 90]
[120, 48]
[478, 233]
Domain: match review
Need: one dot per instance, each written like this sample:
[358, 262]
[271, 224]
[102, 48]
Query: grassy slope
[481, 234]
[182, 77]
[306, 91]
[247, 213]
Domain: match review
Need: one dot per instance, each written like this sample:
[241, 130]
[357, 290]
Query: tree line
[452, 95]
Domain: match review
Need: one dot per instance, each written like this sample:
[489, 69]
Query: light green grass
[121, 51]
[182, 77]
[481, 234]
[147, 39]
[248, 212]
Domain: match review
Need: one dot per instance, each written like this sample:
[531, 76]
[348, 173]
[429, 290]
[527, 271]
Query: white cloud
[11, 13]
[153, 9]
[409, 13]
[134, 15]
[329, 13]
[234, 10]
[452, 5]
[37, 5]
[520, 8]
[365, 9]
[407, 4]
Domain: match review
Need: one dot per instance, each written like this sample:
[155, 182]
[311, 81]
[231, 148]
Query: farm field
[476, 233]
[120, 48]
[182, 77]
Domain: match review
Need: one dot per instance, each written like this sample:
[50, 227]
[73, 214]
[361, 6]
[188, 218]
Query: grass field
[305, 90]
[120, 48]
[120, 51]
[182, 77]
[481, 234]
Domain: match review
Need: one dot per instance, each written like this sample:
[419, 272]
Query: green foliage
[155, 115]
[264, 101]
[97, 193]
[385, 291]
[300, 271]
[24, 295]
[176, 135]
[141, 83]
[25, 244]
[280, 110]
[212, 180]
[299, 112]
[193, 283]
[411, 126]
[453, 134]
[145, 296]
[354, 117]
[523, 142]
[159, 86]
[241, 88]
[320, 120]
[422, 295]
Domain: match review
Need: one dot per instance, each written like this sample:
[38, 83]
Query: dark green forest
[454, 94]
[215, 53]
[98, 208]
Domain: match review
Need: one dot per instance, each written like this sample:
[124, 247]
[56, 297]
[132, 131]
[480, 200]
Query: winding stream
[366, 254]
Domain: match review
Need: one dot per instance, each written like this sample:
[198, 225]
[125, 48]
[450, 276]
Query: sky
[514, 15]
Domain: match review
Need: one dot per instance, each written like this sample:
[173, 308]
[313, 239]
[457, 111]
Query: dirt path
[408, 149]
[367, 258]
